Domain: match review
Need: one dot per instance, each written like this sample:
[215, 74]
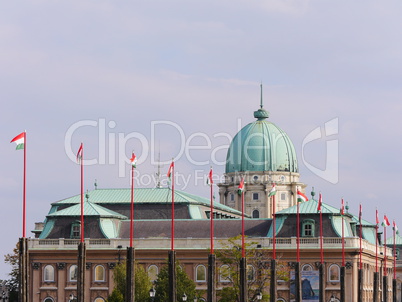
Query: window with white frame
[48, 273]
[200, 273]
[334, 273]
[153, 272]
[99, 299]
[99, 273]
[72, 273]
[307, 268]
[224, 273]
[48, 299]
[308, 228]
[75, 230]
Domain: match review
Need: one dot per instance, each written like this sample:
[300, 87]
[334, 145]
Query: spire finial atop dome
[261, 114]
[261, 105]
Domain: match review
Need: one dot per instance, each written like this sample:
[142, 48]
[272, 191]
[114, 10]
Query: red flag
[133, 160]
[169, 173]
[319, 207]
[79, 154]
[385, 223]
[19, 140]
[342, 208]
[210, 181]
[377, 221]
[240, 189]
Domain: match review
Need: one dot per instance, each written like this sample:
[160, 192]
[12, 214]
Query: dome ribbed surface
[261, 146]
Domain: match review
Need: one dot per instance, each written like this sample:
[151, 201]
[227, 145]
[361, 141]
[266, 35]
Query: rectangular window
[283, 196]
[308, 230]
[255, 196]
[75, 230]
[232, 197]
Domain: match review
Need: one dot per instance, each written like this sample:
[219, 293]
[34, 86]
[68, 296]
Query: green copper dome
[261, 146]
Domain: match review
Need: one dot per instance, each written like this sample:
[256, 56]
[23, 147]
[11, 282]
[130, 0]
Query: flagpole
[243, 251]
[82, 192]
[132, 206]
[24, 201]
[361, 232]
[343, 235]
[385, 250]
[212, 213]
[172, 230]
[376, 241]
[298, 234]
[274, 226]
[394, 252]
[321, 239]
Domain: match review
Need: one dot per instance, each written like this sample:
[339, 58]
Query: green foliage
[141, 281]
[116, 296]
[184, 285]
[258, 278]
[13, 282]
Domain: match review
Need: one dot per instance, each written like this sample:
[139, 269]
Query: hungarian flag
[301, 197]
[79, 154]
[133, 160]
[385, 223]
[209, 178]
[240, 189]
[342, 207]
[19, 140]
[273, 191]
[169, 173]
[395, 228]
[319, 207]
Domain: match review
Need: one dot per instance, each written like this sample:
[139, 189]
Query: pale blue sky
[197, 64]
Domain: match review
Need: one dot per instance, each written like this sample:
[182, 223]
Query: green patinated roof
[278, 226]
[310, 207]
[261, 146]
[143, 195]
[390, 240]
[47, 229]
[364, 222]
[90, 209]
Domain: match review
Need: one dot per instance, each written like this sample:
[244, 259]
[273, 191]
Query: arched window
[308, 228]
[48, 273]
[72, 273]
[307, 267]
[200, 273]
[224, 273]
[99, 299]
[280, 300]
[48, 299]
[153, 272]
[256, 214]
[334, 273]
[250, 272]
[99, 273]
[201, 300]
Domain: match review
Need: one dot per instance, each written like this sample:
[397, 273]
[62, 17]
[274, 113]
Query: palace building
[264, 155]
